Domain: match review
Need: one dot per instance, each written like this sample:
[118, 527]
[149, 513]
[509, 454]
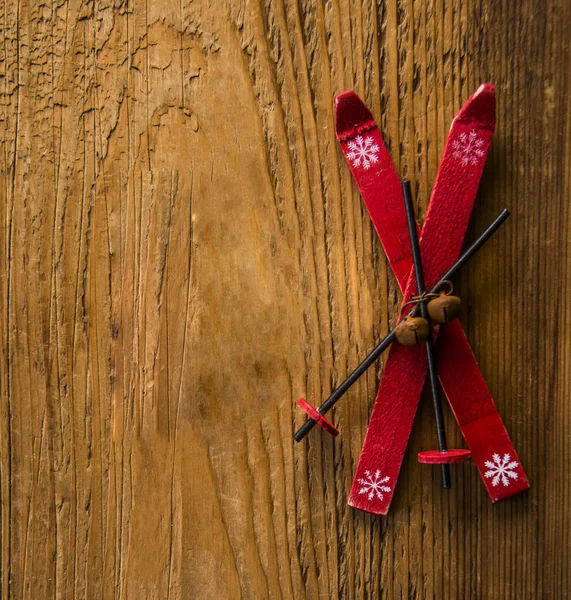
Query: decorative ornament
[412, 331]
[444, 308]
[405, 369]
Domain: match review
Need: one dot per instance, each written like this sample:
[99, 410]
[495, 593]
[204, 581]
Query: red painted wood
[318, 417]
[378, 183]
[478, 418]
[448, 457]
[455, 190]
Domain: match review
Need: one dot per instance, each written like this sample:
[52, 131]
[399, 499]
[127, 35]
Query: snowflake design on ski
[468, 148]
[364, 152]
[501, 469]
[373, 485]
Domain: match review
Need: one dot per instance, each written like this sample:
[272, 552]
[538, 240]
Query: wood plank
[184, 254]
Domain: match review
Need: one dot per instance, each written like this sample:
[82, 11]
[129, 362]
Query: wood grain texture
[184, 254]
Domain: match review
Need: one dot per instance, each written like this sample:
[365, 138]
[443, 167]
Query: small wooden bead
[412, 331]
[444, 308]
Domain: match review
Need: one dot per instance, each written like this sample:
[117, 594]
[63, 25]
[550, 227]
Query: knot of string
[426, 297]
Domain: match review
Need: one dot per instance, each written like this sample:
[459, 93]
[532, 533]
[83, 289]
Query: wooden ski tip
[314, 414]
[448, 457]
[481, 106]
[350, 112]
[364, 507]
[486, 88]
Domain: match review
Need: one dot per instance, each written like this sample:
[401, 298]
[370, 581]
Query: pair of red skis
[441, 241]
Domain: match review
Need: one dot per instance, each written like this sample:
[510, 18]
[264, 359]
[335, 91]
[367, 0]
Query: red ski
[441, 241]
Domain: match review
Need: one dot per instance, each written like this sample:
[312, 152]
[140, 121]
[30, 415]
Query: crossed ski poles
[371, 358]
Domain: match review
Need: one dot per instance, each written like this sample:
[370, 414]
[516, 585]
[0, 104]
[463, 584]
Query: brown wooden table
[184, 254]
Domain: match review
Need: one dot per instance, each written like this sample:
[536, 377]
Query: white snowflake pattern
[468, 148]
[364, 152]
[501, 469]
[373, 485]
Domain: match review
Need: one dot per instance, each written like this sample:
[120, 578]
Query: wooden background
[184, 254]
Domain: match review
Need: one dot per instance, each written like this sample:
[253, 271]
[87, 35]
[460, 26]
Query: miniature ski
[442, 237]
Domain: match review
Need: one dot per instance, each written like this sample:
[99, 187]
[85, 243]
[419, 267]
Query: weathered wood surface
[184, 254]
